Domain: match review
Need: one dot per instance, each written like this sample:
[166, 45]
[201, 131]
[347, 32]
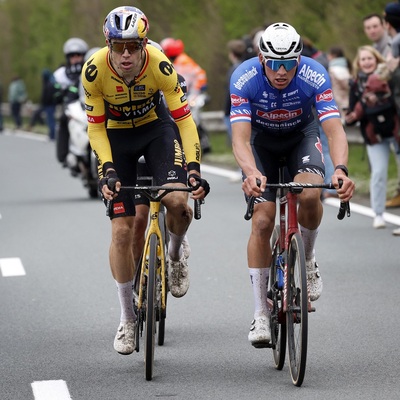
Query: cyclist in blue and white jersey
[272, 96]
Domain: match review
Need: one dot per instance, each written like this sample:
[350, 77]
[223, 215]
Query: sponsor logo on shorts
[119, 208]
[172, 175]
[178, 157]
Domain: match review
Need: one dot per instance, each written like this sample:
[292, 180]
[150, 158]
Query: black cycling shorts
[301, 150]
[158, 143]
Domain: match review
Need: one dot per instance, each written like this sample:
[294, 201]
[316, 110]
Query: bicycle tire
[139, 313]
[150, 309]
[297, 312]
[162, 314]
[277, 320]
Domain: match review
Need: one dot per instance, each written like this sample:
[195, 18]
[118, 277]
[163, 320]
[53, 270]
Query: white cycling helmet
[125, 23]
[75, 46]
[280, 41]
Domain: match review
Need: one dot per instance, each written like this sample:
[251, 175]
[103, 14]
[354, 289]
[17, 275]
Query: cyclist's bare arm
[241, 134]
[338, 149]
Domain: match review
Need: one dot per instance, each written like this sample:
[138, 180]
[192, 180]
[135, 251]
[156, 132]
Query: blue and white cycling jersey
[275, 111]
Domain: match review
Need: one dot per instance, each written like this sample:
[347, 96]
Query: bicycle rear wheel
[297, 312]
[277, 320]
[150, 309]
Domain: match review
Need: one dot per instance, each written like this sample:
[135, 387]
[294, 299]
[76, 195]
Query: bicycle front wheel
[162, 313]
[150, 308]
[277, 320]
[297, 312]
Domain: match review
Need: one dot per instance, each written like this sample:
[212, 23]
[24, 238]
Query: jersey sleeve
[316, 78]
[96, 114]
[239, 95]
[180, 111]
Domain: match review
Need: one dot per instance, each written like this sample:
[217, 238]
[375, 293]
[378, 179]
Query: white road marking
[50, 390]
[363, 210]
[11, 267]
[219, 171]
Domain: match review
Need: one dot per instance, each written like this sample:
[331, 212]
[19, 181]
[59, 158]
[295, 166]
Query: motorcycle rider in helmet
[68, 79]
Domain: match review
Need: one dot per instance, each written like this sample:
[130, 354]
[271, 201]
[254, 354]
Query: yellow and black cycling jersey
[112, 104]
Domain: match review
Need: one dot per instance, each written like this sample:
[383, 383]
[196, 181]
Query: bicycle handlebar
[344, 208]
[153, 194]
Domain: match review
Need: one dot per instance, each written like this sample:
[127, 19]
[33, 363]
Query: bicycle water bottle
[279, 272]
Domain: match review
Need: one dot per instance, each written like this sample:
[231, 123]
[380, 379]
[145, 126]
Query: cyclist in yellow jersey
[127, 119]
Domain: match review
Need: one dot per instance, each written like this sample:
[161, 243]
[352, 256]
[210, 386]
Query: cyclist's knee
[310, 198]
[176, 203]
[263, 223]
[122, 232]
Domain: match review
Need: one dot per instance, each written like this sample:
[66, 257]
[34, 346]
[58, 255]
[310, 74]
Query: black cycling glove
[110, 180]
[200, 182]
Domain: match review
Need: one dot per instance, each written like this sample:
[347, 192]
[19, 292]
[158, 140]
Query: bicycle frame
[288, 227]
[153, 228]
[152, 273]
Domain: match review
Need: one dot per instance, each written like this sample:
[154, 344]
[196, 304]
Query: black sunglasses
[119, 47]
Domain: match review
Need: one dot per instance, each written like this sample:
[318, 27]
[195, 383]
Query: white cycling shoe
[260, 332]
[124, 341]
[314, 280]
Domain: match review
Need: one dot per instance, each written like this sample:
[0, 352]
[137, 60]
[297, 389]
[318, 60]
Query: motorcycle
[81, 160]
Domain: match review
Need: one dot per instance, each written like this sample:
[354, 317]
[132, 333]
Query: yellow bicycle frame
[153, 228]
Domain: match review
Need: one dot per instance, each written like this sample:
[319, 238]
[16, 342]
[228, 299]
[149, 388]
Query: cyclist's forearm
[101, 146]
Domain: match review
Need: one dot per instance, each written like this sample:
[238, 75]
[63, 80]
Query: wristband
[343, 168]
[107, 165]
[193, 166]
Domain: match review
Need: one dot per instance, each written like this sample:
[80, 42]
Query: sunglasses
[276, 64]
[119, 47]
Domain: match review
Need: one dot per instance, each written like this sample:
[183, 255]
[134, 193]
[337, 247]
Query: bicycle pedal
[262, 345]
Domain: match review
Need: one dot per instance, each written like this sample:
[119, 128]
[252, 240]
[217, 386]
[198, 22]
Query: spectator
[47, 103]
[375, 31]
[392, 18]
[378, 121]
[339, 70]
[16, 97]
[392, 24]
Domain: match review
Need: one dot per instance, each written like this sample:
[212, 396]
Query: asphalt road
[59, 309]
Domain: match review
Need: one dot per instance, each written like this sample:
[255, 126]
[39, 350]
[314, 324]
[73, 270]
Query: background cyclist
[272, 96]
[123, 84]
